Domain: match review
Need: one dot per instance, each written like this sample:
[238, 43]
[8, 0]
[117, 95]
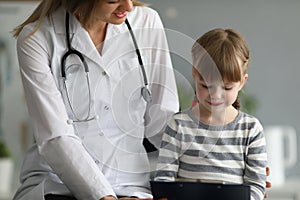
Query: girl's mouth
[215, 103]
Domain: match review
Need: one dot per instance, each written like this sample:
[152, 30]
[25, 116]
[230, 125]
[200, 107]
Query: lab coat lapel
[112, 32]
[81, 41]
[79, 37]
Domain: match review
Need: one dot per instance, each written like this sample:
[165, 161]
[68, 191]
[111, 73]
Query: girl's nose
[217, 92]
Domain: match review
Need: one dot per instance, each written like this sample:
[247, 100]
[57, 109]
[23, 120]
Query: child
[213, 140]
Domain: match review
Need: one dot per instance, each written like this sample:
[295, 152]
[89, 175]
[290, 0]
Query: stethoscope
[71, 51]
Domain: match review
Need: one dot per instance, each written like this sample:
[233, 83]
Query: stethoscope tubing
[63, 74]
[137, 52]
[70, 51]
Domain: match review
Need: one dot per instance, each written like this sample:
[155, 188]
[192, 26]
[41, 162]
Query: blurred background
[271, 28]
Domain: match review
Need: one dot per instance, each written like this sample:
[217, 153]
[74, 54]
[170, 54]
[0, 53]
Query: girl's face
[216, 96]
[113, 11]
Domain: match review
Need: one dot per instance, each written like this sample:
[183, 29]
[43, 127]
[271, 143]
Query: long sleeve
[162, 83]
[256, 163]
[56, 140]
[169, 152]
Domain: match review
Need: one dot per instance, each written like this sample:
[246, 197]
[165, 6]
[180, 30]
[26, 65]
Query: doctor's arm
[162, 83]
[56, 140]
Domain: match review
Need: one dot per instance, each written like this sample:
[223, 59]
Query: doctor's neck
[97, 31]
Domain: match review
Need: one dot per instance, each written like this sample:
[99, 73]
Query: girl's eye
[227, 88]
[112, 2]
[205, 86]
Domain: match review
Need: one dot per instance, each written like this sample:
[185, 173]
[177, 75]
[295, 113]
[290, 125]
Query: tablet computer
[199, 190]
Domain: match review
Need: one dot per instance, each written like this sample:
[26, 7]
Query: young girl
[214, 140]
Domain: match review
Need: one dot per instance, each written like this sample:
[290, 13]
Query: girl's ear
[243, 81]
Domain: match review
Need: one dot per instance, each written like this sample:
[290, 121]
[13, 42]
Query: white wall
[15, 123]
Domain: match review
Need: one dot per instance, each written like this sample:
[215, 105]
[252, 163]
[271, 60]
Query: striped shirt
[234, 153]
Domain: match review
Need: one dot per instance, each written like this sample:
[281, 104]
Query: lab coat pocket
[131, 80]
[95, 144]
[134, 163]
[133, 168]
[127, 98]
[102, 149]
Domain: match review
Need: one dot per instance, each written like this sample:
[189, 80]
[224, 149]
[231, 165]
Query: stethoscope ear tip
[69, 121]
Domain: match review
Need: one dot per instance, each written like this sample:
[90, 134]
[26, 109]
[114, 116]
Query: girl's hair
[216, 56]
[81, 8]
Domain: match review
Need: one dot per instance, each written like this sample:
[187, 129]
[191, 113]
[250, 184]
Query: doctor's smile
[121, 15]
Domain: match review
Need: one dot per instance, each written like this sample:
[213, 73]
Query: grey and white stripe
[234, 153]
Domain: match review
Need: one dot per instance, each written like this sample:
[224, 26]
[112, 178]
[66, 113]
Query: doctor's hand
[123, 198]
[108, 198]
[268, 183]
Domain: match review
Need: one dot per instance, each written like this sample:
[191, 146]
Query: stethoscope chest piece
[146, 94]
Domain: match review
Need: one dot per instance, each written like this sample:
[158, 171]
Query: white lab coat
[104, 156]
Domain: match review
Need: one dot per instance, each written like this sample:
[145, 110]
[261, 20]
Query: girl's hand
[134, 198]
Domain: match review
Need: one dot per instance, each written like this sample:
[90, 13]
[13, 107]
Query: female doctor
[95, 86]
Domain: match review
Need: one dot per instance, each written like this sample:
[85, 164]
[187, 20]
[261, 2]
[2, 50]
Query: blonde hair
[74, 7]
[216, 55]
